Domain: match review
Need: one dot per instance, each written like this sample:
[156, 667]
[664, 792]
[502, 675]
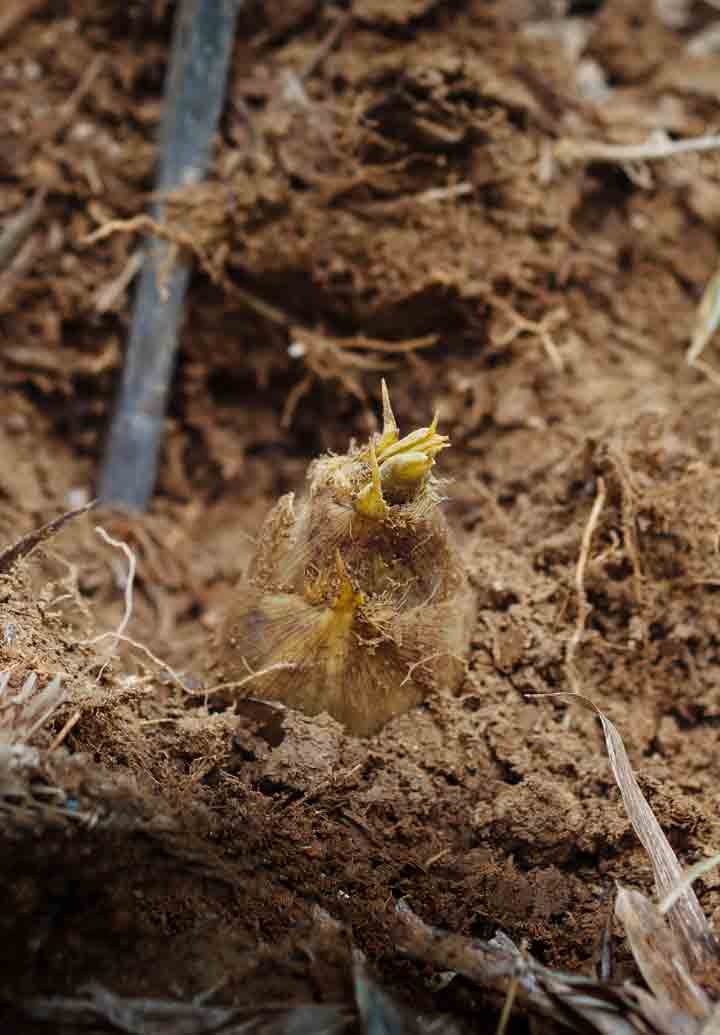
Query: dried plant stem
[688, 879]
[18, 228]
[583, 607]
[110, 293]
[69, 725]
[507, 1006]
[658, 146]
[456, 190]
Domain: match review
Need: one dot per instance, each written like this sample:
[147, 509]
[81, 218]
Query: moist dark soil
[389, 198]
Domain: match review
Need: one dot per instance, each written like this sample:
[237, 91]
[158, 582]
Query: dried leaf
[24, 546]
[374, 1013]
[580, 1003]
[695, 936]
[693, 931]
[659, 955]
[25, 712]
[707, 320]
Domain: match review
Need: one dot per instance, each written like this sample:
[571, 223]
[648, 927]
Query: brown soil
[400, 186]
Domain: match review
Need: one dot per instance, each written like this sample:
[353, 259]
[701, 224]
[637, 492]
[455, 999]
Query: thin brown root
[629, 494]
[145, 224]
[163, 666]
[424, 661]
[295, 395]
[238, 684]
[583, 607]
[540, 328]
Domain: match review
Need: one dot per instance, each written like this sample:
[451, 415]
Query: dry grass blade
[686, 917]
[707, 320]
[658, 955]
[25, 546]
[145, 1016]
[135, 1016]
[657, 1016]
[658, 146]
[688, 879]
[583, 607]
[23, 713]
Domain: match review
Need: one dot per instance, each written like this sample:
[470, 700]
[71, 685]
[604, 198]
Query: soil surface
[406, 189]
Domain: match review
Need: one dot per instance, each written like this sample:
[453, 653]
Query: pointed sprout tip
[390, 432]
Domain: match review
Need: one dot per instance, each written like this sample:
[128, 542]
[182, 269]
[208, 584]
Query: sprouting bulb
[356, 601]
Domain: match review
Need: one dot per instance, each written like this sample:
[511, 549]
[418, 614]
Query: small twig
[583, 607]
[69, 725]
[658, 146]
[17, 228]
[435, 858]
[111, 292]
[433, 194]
